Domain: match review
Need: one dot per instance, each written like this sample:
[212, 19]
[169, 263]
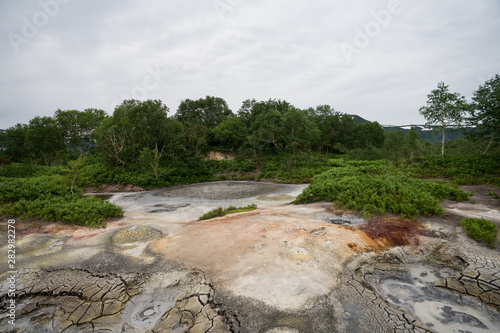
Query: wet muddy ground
[280, 268]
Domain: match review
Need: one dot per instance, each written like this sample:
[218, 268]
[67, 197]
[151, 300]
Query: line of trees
[143, 132]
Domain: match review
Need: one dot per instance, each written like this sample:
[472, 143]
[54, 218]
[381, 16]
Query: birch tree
[444, 109]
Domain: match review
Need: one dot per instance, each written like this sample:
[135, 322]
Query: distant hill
[425, 133]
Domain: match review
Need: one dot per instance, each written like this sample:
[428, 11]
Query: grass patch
[378, 187]
[225, 211]
[480, 230]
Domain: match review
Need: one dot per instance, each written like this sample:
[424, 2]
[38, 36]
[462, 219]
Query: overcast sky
[377, 59]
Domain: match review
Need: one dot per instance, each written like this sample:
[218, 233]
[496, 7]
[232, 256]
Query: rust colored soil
[393, 231]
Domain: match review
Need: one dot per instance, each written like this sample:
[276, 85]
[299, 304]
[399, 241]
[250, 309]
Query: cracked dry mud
[281, 268]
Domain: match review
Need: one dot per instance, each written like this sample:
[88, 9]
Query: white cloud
[91, 53]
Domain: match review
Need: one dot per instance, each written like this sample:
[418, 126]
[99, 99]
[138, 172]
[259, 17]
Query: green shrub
[51, 197]
[461, 169]
[23, 170]
[480, 230]
[494, 195]
[13, 189]
[90, 212]
[230, 210]
[377, 187]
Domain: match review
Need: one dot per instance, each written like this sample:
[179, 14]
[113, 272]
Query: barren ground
[280, 268]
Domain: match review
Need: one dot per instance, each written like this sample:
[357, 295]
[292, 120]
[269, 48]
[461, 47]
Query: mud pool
[280, 268]
[441, 310]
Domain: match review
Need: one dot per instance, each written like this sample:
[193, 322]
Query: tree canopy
[209, 111]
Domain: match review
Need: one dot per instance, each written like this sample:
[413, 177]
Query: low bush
[480, 230]
[13, 189]
[90, 212]
[494, 195]
[378, 187]
[461, 169]
[230, 210]
[22, 170]
[50, 197]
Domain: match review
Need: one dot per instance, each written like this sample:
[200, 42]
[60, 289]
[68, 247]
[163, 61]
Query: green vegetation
[494, 195]
[90, 212]
[50, 198]
[13, 189]
[461, 169]
[141, 144]
[378, 187]
[225, 211]
[444, 109]
[480, 230]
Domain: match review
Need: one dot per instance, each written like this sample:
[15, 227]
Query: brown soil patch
[111, 188]
[392, 231]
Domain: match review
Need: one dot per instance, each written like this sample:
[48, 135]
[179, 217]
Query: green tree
[79, 126]
[196, 138]
[300, 130]
[230, 133]
[209, 111]
[111, 142]
[74, 171]
[245, 111]
[136, 125]
[444, 109]
[266, 123]
[413, 143]
[251, 110]
[151, 159]
[335, 128]
[394, 145]
[268, 129]
[45, 139]
[368, 134]
[485, 114]
[14, 144]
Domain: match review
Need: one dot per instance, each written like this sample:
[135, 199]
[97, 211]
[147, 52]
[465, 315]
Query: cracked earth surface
[280, 268]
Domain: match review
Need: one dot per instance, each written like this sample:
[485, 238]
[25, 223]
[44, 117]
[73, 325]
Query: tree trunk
[444, 128]
[489, 144]
[442, 144]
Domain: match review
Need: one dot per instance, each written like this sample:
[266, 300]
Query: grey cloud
[91, 53]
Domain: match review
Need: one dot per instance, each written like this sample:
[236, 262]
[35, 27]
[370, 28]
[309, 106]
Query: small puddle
[443, 316]
[341, 220]
[441, 310]
[146, 310]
